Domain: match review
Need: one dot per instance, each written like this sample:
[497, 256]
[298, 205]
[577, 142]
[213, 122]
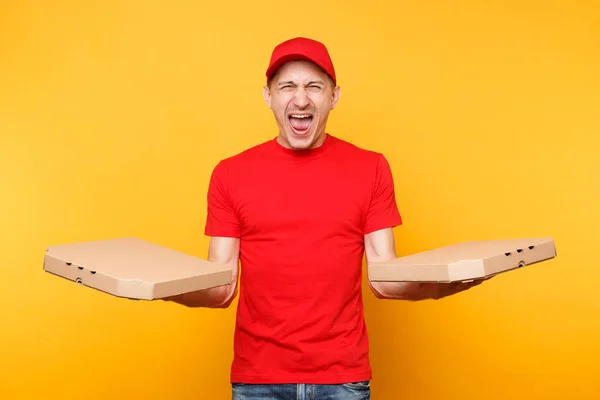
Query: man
[300, 211]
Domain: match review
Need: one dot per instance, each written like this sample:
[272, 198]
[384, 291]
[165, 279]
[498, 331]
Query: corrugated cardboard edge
[464, 270]
[135, 289]
[382, 272]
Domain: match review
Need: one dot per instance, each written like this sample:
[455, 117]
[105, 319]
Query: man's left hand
[440, 290]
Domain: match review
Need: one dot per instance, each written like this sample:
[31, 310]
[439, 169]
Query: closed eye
[285, 85]
[314, 88]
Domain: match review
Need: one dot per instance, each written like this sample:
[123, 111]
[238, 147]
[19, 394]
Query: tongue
[300, 124]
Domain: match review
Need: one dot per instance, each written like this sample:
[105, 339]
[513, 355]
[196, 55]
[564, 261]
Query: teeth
[300, 116]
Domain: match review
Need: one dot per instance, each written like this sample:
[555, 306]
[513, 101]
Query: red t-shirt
[301, 217]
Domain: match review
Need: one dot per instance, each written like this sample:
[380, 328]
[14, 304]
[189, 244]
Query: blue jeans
[344, 391]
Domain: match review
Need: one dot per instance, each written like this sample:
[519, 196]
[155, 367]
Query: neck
[318, 142]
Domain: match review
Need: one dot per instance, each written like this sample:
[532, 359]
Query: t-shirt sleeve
[221, 218]
[383, 211]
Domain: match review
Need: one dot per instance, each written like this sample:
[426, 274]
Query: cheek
[321, 104]
[279, 105]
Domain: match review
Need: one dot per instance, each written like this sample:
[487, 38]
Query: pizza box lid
[133, 268]
[464, 261]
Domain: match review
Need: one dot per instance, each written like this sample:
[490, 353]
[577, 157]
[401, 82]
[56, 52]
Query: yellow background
[113, 114]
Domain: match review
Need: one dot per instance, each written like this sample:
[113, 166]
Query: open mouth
[300, 123]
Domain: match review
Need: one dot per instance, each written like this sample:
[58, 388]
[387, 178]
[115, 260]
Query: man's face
[301, 95]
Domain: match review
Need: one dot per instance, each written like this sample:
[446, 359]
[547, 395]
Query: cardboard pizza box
[134, 268]
[465, 261]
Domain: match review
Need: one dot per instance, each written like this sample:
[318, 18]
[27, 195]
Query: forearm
[380, 247]
[411, 291]
[420, 290]
[224, 251]
[217, 297]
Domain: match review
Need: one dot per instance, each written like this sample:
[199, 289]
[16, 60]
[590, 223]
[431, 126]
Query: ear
[335, 96]
[267, 95]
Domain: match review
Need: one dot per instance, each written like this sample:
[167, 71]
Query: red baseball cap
[301, 48]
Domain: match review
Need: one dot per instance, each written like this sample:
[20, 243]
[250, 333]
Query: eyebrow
[285, 83]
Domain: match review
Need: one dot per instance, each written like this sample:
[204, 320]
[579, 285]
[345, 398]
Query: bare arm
[225, 251]
[380, 247]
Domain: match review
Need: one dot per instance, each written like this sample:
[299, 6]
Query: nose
[301, 99]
